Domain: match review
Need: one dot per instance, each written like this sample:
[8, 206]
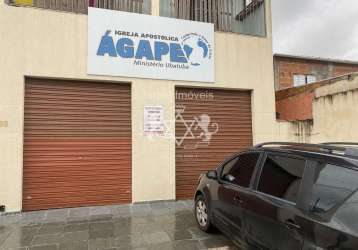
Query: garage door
[211, 125]
[77, 144]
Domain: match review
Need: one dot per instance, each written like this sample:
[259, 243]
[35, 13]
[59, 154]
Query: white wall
[335, 111]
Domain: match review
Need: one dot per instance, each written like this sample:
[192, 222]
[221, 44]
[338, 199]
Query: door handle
[290, 224]
[237, 199]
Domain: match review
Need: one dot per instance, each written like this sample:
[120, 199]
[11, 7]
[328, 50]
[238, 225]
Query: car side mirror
[212, 174]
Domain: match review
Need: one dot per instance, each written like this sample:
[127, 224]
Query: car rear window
[281, 177]
[333, 185]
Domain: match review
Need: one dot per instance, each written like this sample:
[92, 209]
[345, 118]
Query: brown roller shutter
[77, 144]
[210, 126]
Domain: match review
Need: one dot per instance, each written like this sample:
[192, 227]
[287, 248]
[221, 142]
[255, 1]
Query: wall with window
[301, 80]
[291, 71]
[53, 44]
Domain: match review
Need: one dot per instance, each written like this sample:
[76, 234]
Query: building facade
[70, 138]
[295, 71]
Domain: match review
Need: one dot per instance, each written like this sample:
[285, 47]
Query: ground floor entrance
[77, 144]
[211, 125]
[78, 140]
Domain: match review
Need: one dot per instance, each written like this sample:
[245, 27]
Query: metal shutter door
[77, 144]
[231, 110]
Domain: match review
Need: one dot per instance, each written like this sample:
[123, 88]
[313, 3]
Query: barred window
[239, 16]
[81, 6]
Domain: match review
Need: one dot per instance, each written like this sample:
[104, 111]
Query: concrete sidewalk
[160, 225]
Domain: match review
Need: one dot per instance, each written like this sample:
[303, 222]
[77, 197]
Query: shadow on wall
[295, 131]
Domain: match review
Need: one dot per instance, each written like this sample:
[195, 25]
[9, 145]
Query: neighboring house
[320, 112]
[70, 137]
[295, 71]
[295, 104]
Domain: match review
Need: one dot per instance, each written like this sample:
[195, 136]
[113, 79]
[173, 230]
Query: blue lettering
[160, 49]
[107, 46]
[177, 54]
[125, 48]
[144, 50]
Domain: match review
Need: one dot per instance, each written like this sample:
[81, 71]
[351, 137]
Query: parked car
[284, 196]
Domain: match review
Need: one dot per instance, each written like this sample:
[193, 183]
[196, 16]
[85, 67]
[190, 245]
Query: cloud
[321, 28]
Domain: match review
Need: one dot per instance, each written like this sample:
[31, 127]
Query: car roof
[337, 153]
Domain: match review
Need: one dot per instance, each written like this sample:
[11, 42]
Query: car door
[332, 205]
[234, 183]
[272, 217]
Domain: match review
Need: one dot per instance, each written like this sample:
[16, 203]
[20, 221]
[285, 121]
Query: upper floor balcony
[81, 6]
[237, 16]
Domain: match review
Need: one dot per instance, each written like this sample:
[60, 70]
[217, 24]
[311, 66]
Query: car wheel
[202, 214]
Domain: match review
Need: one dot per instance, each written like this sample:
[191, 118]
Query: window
[81, 6]
[311, 79]
[238, 16]
[332, 186]
[281, 177]
[300, 80]
[239, 170]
